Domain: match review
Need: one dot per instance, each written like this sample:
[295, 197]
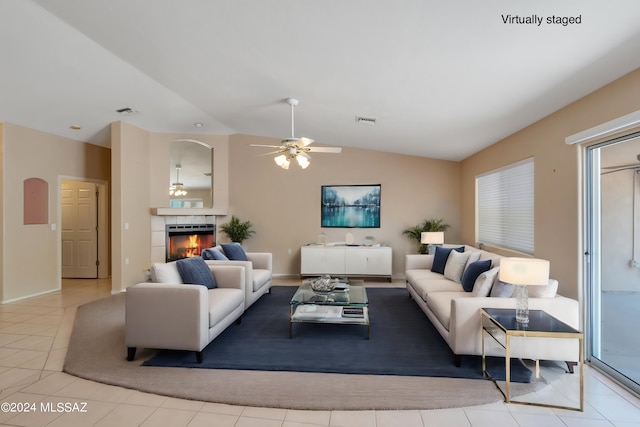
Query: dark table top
[539, 321]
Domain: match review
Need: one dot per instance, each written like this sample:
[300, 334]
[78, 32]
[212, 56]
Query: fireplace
[188, 240]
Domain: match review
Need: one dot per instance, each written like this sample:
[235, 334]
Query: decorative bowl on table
[323, 284]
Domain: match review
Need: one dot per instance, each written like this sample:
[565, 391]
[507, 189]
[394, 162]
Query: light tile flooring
[34, 334]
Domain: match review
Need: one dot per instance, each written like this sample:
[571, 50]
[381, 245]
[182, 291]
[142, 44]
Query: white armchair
[177, 316]
[258, 274]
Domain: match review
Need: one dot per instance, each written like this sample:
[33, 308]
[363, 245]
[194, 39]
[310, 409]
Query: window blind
[505, 207]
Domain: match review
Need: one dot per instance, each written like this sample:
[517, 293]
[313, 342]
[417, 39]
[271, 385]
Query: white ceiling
[444, 79]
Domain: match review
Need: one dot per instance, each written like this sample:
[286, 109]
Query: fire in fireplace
[188, 240]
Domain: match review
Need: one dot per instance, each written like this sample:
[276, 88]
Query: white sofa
[456, 313]
[258, 274]
[175, 316]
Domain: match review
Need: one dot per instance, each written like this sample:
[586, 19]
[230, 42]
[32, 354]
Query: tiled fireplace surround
[158, 230]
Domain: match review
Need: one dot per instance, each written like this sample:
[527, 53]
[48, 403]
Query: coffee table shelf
[308, 306]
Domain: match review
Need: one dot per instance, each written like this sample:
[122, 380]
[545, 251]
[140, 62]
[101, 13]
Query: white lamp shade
[282, 161]
[432, 237]
[302, 161]
[524, 271]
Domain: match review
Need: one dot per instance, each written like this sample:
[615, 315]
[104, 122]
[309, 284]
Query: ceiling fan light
[282, 161]
[303, 161]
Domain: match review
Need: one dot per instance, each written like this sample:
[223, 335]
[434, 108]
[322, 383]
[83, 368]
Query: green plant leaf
[237, 230]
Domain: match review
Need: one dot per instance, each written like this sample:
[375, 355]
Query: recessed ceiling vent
[127, 111]
[365, 120]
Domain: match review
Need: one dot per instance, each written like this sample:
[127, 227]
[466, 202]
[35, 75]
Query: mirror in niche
[191, 174]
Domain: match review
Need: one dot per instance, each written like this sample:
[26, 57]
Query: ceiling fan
[295, 148]
[617, 168]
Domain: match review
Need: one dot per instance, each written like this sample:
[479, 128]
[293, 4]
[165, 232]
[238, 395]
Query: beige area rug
[97, 352]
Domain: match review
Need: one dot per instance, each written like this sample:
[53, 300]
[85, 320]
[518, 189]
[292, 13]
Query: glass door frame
[592, 258]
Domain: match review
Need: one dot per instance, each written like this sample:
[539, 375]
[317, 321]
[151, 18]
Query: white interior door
[79, 230]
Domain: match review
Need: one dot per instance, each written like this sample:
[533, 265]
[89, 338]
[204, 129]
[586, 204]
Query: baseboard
[9, 301]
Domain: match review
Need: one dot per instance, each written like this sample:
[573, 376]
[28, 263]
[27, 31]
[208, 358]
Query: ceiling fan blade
[325, 149]
[630, 165]
[304, 154]
[620, 168]
[271, 152]
[303, 142]
[261, 145]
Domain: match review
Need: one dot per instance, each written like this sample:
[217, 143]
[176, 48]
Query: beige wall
[557, 170]
[284, 205]
[2, 244]
[140, 178]
[131, 218]
[620, 196]
[30, 153]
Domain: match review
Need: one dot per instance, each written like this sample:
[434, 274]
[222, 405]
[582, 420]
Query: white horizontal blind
[505, 207]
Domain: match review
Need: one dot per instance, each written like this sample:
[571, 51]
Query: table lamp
[431, 238]
[523, 272]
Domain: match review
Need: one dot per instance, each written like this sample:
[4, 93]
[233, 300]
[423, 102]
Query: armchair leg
[199, 356]
[458, 360]
[570, 366]
[131, 353]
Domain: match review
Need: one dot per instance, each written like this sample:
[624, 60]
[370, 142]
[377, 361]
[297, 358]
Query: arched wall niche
[36, 201]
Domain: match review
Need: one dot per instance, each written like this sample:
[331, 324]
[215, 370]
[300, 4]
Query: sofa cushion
[501, 289]
[234, 252]
[484, 282]
[214, 254]
[472, 272]
[440, 258]
[195, 271]
[548, 291]
[419, 274]
[222, 301]
[260, 277]
[456, 261]
[425, 288]
[473, 257]
[165, 273]
[495, 258]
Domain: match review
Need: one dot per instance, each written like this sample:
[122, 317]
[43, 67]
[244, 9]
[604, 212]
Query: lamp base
[522, 304]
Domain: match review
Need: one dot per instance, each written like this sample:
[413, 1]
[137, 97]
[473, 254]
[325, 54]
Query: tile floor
[34, 334]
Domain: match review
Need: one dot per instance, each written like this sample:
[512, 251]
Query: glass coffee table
[347, 304]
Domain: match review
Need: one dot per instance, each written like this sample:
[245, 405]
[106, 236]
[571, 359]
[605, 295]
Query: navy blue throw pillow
[194, 271]
[472, 272]
[214, 254]
[440, 258]
[234, 252]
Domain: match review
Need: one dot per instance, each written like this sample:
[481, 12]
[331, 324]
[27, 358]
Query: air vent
[127, 111]
[365, 120]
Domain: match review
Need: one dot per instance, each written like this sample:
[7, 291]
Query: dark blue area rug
[403, 342]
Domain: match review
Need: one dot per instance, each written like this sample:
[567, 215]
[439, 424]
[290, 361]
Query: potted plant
[238, 231]
[415, 233]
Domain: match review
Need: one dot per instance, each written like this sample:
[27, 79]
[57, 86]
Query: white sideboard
[346, 260]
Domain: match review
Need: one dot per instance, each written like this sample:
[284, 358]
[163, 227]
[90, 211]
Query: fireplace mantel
[188, 211]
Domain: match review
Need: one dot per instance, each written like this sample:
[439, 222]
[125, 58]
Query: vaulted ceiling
[443, 79]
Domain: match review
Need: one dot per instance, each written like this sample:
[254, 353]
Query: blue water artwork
[351, 206]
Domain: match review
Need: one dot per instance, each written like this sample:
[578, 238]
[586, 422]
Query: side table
[501, 325]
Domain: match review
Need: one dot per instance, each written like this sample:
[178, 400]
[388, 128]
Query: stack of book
[352, 312]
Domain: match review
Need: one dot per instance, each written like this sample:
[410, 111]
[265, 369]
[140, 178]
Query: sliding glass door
[613, 257]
